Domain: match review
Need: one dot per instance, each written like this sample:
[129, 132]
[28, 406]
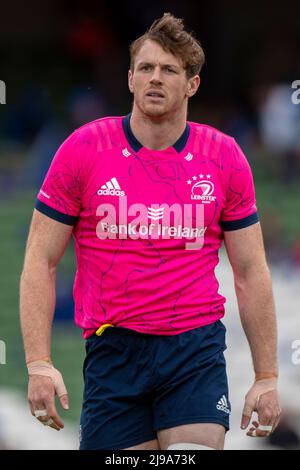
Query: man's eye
[146, 67]
[171, 70]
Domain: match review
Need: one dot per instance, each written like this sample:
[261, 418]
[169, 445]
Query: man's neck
[157, 134]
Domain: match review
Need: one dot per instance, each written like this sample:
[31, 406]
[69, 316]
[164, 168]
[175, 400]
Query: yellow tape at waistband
[102, 328]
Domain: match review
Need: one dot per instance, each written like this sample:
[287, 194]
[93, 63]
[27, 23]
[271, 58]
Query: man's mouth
[155, 94]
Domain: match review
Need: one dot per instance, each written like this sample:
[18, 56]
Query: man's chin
[155, 111]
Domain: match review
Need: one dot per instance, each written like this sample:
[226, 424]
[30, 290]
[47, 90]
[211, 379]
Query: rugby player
[149, 198]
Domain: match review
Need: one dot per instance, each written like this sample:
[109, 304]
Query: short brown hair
[170, 34]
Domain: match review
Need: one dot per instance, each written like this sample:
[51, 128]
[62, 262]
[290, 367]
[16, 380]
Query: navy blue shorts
[137, 384]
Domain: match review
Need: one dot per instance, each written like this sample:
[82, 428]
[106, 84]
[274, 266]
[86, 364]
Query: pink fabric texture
[137, 212]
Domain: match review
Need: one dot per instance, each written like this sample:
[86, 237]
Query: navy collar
[136, 145]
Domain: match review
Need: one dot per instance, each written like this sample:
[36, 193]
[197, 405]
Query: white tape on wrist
[48, 370]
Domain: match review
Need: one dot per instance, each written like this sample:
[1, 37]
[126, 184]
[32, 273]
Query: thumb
[247, 413]
[64, 400]
[60, 388]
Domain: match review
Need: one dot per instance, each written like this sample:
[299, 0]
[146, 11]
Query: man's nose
[156, 76]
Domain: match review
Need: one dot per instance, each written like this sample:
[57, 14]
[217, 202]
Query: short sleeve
[60, 194]
[240, 209]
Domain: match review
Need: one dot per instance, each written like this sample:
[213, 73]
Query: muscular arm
[257, 312]
[254, 295]
[46, 244]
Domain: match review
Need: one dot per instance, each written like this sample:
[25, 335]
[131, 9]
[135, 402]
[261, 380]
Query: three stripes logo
[189, 157]
[222, 405]
[111, 188]
[155, 214]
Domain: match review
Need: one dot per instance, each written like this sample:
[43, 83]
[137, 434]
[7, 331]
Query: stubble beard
[154, 110]
[157, 111]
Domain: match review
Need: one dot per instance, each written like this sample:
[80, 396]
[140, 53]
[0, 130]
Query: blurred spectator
[273, 234]
[238, 124]
[279, 122]
[84, 104]
[27, 116]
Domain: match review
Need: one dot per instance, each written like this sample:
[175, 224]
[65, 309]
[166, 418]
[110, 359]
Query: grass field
[68, 346]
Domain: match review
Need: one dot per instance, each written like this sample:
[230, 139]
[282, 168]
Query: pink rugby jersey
[148, 224]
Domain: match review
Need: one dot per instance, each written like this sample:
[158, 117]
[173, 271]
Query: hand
[262, 398]
[44, 383]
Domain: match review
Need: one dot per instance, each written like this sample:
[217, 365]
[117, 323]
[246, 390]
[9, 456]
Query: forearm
[257, 313]
[37, 303]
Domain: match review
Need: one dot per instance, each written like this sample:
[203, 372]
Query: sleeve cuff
[240, 223]
[54, 214]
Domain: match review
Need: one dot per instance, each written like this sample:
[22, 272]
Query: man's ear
[193, 85]
[130, 77]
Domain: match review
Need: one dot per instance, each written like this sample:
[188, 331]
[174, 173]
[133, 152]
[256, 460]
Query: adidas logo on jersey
[222, 405]
[111, 188]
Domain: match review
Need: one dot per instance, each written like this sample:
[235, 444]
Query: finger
[246, 416]
[251, 432]
[264, 430]
[59, 385]
[256, 432]
[262, 427]
[278, 417]
[52, 424]
[48, 405]
[64, 400]
[45, 420]
[266, 420]
[40, 390]
[274, 423]
[41, 398]
[245, 421]
[49, 422]
[31, 407]
[40, 411]
[259, 430]
[52, 413]
[277, 421]
[42, 419]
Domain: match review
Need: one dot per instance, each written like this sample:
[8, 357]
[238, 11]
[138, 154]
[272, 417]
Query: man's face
[159, 82]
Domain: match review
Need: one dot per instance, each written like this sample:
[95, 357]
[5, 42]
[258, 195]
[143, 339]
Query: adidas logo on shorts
[222, 405]
[111, 188]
